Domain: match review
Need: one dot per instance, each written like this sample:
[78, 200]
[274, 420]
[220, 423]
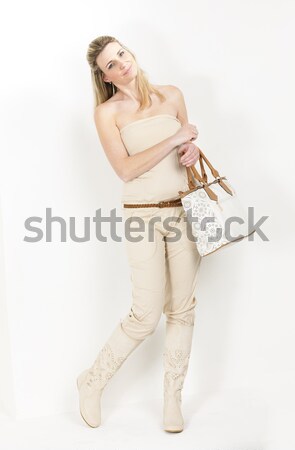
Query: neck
[129, 91]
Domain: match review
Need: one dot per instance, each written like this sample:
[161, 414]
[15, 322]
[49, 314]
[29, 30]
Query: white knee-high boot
[92, 381]
[176, 356]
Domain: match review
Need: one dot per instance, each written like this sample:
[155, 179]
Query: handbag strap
[216, 174]
[204, 175]
[193, 173]
[190, 178]
[213, 171]
[209, 191]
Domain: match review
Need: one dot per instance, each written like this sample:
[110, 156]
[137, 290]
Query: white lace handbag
[216, 215]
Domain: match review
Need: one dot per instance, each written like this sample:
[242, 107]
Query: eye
[121, 53]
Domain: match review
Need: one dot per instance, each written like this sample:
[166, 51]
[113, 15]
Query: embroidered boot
[91, 382]
[176, 355]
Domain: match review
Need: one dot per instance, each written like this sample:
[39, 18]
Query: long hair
[102, 90]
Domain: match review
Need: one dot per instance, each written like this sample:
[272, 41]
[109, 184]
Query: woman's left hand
[190, 153]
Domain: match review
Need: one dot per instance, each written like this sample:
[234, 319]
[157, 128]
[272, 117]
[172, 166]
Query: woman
[146, 137]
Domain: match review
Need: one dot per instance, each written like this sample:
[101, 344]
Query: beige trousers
[164, 263]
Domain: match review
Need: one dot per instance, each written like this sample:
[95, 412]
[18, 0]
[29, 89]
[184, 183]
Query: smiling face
[116, 63]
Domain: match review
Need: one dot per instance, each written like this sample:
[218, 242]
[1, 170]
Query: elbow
[126, 176]
[126, 173]
[123, 172]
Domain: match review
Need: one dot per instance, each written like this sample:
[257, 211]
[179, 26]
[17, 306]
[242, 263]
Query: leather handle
[213, 171]
[193, 173]
[204, 175]
[198, 177]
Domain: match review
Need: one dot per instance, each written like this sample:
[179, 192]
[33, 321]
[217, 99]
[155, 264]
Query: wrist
[175, 141]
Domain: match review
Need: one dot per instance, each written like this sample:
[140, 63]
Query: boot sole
[173, 429]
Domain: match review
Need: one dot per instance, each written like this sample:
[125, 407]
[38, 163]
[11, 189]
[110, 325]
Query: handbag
[213, 209]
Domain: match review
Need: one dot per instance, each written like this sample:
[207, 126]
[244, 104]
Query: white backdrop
[60, 301]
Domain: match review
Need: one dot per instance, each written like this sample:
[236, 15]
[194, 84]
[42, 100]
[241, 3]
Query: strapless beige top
[166, 178]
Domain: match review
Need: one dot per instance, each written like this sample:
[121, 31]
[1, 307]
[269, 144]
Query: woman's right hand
[187, 132]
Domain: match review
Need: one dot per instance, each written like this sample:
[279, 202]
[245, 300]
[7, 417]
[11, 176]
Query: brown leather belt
[161, 204]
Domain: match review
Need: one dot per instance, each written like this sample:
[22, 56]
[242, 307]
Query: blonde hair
[102, 90]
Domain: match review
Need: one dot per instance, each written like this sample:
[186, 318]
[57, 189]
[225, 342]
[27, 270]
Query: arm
[180, 104]
[188, 151]
[128, 167]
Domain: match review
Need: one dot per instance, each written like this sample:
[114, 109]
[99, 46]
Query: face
[114, 61]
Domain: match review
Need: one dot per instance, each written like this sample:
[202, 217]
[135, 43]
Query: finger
[183, 148]
[188, 155]
[185, 160]
[192, 158]
[185, 155]
[189, 162]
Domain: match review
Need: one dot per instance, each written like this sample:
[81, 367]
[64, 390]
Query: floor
[231, 420]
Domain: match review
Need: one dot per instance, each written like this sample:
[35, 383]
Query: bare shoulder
[104, 113]
[177, 98]
[170, 89]
[103, 108]
[174, 98]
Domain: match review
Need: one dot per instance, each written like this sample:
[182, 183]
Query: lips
[127, 70]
